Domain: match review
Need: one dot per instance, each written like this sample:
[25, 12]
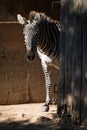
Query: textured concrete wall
[20, 82]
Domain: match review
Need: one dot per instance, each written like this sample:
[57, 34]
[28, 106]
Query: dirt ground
[31, 117]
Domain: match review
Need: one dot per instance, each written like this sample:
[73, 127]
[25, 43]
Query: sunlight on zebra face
[29, 38]
[29, 32]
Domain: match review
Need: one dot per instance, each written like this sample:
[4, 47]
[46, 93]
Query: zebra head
[30, 33]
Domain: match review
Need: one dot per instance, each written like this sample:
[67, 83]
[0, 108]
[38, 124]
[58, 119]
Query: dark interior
[10, 9]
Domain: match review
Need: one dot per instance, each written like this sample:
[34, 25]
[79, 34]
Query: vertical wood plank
[84, 72]
[73, 54]
[61, 80]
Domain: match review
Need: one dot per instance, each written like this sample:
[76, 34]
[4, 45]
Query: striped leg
[47, 84]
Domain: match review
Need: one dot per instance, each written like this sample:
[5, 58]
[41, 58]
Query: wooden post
[73, 60]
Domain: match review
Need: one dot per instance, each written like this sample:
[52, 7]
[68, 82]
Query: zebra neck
[49, 38]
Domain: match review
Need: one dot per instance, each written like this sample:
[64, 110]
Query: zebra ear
[21, 19]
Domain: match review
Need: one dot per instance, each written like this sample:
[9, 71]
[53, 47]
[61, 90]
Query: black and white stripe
[42, 33]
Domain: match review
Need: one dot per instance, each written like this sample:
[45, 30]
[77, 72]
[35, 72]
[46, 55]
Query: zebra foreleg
[48, 85]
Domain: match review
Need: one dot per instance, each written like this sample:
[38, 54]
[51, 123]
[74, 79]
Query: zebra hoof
[45, 108]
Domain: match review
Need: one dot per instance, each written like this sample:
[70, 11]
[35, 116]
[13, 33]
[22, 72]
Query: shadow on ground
[48, 125]
[25, 125]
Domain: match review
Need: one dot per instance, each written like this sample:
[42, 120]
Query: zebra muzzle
[30, 56]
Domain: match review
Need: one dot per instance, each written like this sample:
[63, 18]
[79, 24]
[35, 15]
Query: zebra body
[42, 34]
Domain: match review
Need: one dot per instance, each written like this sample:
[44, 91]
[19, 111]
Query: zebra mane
[48, 34]
[43, 17]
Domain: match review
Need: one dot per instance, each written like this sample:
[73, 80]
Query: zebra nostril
[30, 57]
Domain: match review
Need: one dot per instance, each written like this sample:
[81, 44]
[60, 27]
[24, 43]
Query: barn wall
[20, 81]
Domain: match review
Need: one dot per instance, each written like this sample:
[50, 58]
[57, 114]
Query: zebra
[42, 34]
